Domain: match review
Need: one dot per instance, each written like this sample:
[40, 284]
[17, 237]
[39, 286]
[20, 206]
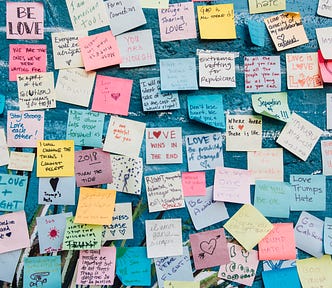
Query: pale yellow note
[154, 4]
[22, 161]
[181, 284]
[262, 6]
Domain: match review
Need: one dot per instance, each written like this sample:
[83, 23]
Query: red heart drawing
[241, 127]
[156, 134]
[115, 96]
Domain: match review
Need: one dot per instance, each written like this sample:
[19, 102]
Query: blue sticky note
[42, 271]
[2, 103]
[207, 109]
[178, 74]
[132, 266]
[258, 33]
[8, 263]
[285, 278]
[328, 235]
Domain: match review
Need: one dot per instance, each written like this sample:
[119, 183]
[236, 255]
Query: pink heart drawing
[240, 127]
[115, 96]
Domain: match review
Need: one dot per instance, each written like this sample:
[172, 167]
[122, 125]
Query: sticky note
[181, 284]
[261, 6]
[95, 206]
[21, 161]
[248, 226]
[324, 36]
[327, 236]
[8, 264]
[193, 183]
[325, 68]
[4, 152]
[287, 277]
[154, 4]
[325, 8]
[329, 110]
[258, 32]
[2, 103]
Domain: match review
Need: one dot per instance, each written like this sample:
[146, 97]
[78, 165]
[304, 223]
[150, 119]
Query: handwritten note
[325, 67]
[243, 132]
[96, 267]
[155, 100]
[8, 263]
[193, 183]
[74, 86]
[163, 145]
[124, 136]
[262, 74]
[26, 59]
[81, 236]
[25, 20]
[325, 8]
[324, 38]
[212, 16]
[248, 226]
[326, 150]
[163, 237]
[216, 69]
[4, 152]
[24, 129]
[204, 151]
[329, 110]
[299, 136]
[178, 74]
[181, 284]
[262, 6]
[136, 49]
[258, 32]
[21, 161]
[309, 234]
[99, 50]
[327, 236]
[112, 95]
[281, 278]
[95, 206]
[36, 91]
[164, 191]
[177, 22]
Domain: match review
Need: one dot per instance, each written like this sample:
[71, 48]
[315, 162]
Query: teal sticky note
[328, 235]
[2, 103]
[285, 278]
[258, 33]
[207, 109]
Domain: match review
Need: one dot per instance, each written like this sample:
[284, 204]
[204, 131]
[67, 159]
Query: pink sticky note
[325, 67]
[26, 59]
[209, 248]
[25, 20]
[193, 184]
[14, 232]
[112, 95]
[92, 167]
[99, 50]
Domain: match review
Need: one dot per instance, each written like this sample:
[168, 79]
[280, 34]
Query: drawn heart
[54, 183]
[115, 96]
[208, 247]
[301, 82]
[122, 231]
[9, 234]
[156, 134]
[68, 62]
[240, 127]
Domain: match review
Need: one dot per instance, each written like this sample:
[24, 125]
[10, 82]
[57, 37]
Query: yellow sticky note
[95, 206]
[248, 226]
[216, 21]
[262, 6]
[315, 272]
[55, 158]
[181, 284]
[154, 4]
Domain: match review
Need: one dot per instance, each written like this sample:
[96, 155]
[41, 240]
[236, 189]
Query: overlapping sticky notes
[279, 244]
[4, 152]
[248, 226]
[273, 198]
[122, 223]
[209, 248]
[132, 266]
[324, 37]
[25, 20]
[57, 190]
[329, 110]
[174, 268]
[262, 73]
[81, 236]
[8, 264]
[99, 50]
[127, 174]
[87, 15]
[325, 67]
[286, 30]
[327, 236]
[42, 270]
[92, 167]
[257, 31]
[155, 100]
[243, 132]
[303, 71]
[242, 266]
[136, 48]
[204, 151]
[181, 284]
[207, 109]
[164, 191]
[261, 6]
[95, 206]
[216, 69]
[163, 145]
[193, 184]
[177, 22]
[232, 185]
[85, 127]
[163, 237]
[36, 91]
[309, 192]
[100, 270]
[315, 271]
[286, 277]
[51, 230]
[299, 136]
[216, 21]
[309, 234]
[74, 86]
[325, 8]
[12, 192]
[178, 74]
[21, 161]
[274, 105]
[14, 231]
[124, 136]
[26, 59]
[55, 158]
